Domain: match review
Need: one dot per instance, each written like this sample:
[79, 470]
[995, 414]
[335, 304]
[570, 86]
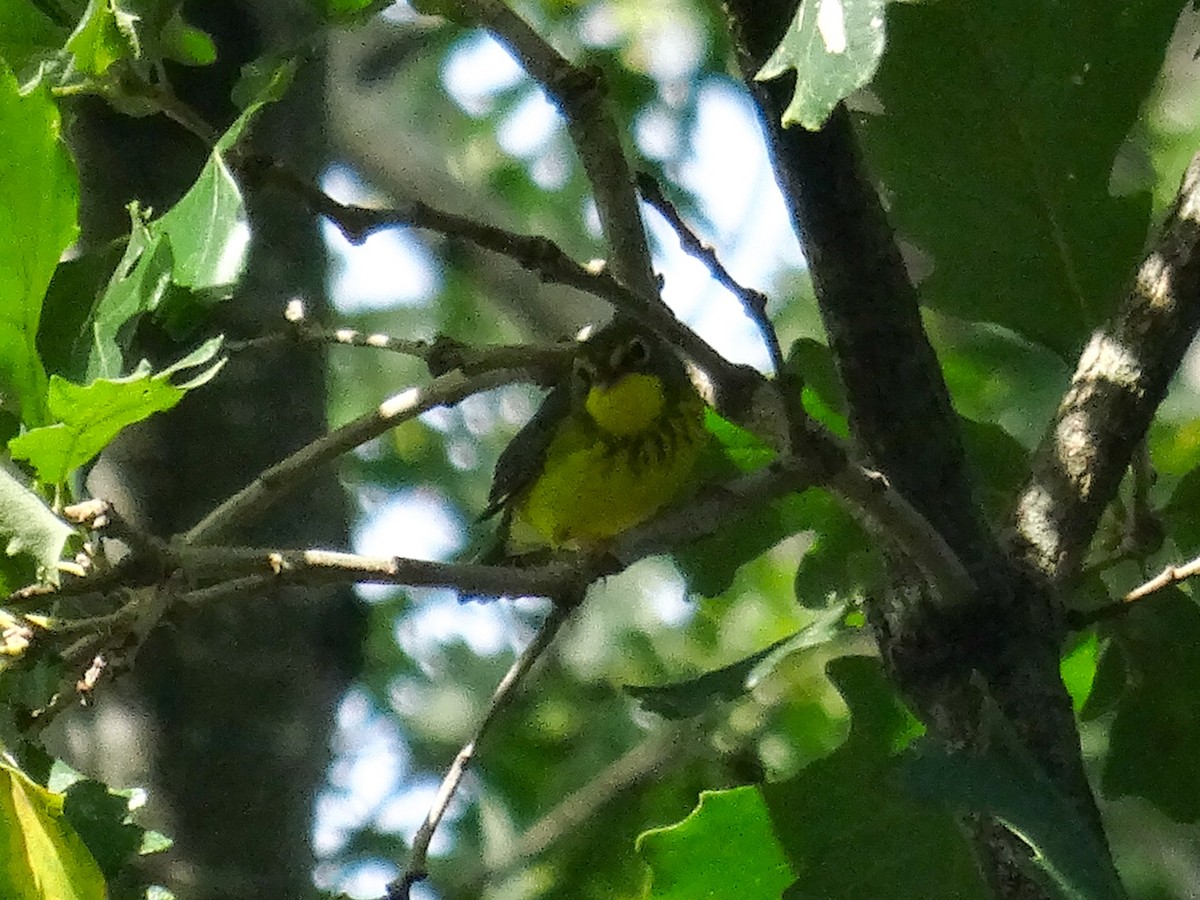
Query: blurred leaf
[711, 563]
[90, 416]
[684, 699]
[813, 362]
[27, 34]
[348, 12]
[997, 376]
[834, 46]
[742, 447]
[724, 850]
[999, 463]
[39, 194]
[823, 396]
[1179, 514]
[1007, 784]
[1001, 121]
[1154, 740]
[840, 563]
[849, 829]
[28, 528]
[41, 855]
[101, 818]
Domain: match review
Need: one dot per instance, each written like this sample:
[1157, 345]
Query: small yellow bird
[604, 452]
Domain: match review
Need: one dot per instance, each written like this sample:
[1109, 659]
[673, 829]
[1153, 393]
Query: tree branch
[506, 690]
[754, 302]
[1008, 631]
[1121, 379]
[285, 476]
[579, 95]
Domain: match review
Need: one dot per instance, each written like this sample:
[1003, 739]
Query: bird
[609, 447]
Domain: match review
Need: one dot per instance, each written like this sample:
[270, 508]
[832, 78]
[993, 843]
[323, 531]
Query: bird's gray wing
[525, 454]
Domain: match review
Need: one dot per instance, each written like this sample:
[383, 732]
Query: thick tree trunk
[232, 707]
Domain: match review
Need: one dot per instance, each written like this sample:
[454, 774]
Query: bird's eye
[584, 372]
[633, 355]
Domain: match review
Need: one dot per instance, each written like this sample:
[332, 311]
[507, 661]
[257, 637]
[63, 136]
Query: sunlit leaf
[41, 855]
[1078, 667]
[725, 850]
[30, 530]
[90, 416]
[175, 267]
[834, 46]
[39, 194]
[102, 38]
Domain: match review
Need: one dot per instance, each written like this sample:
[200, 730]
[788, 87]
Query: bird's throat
[629, 406]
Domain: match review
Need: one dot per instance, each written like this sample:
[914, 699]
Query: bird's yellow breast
[610, 468]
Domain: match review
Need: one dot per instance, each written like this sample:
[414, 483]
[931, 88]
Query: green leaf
[103, 37]
[90, 416]
[65, 335]
[724, 850]
[186, 43]
[206, 230]
[30, 530]
[39, 194]
[847, 826]
[1154, 740]
[1007, 784]
[841, 562]
[995, 143]
[834, 46]
[684, 699]
[26, 35]
[999, 463]
[176, 267]
[1078, 667]
[137, 286]
[40, 854]
[711, 563]
[1179, 514]
[743, 448]
[101, 819]
[264, 80]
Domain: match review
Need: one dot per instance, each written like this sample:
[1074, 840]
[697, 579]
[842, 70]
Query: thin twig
[314, 567]
[539, 255]
[1168, 576]
[579, 95]
[442, 354]
[669, 747]
[1164, 579]
[501, 698]
[285, 476]
[754, 302]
